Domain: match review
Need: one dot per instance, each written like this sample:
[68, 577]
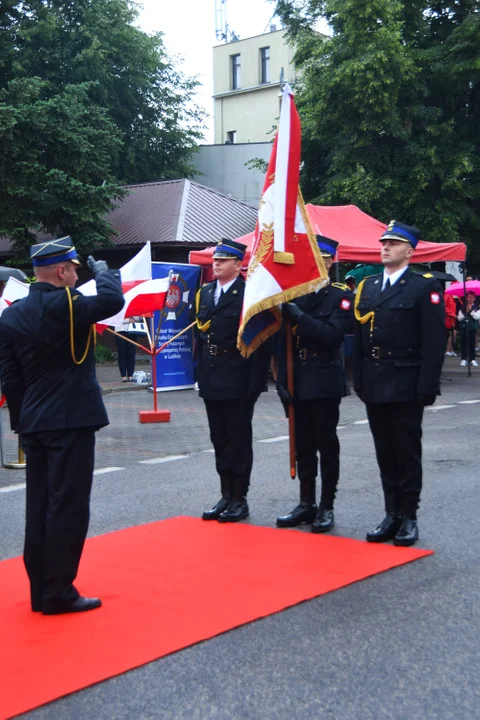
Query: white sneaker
[463, 363]
[448, 354]
[453, 354]
[474, 363]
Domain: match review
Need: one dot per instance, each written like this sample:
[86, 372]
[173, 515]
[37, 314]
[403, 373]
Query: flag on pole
[14, 290]
[285, 262]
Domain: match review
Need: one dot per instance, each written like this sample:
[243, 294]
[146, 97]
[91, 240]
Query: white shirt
[393, 277]
[219, 288]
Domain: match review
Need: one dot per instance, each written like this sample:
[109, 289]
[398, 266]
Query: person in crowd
[228, 383]
[321, 320]
[351, 283]
[450, 323]
[399, 350]
[47, 369]
[468, 317]
[130, 329]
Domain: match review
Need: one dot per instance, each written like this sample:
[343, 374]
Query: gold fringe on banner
[271, 303]
[284, 258]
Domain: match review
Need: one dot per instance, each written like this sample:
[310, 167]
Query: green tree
[389, 107]
[55, 164]
[88, 102]
[144, 91]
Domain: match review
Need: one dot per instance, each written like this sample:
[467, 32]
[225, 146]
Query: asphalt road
[401, 645]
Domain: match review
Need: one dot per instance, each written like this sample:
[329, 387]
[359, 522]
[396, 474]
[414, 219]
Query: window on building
[264, 65]
[231, 137]
[235, 59]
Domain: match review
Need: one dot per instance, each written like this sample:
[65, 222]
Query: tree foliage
[390, 108]
[88, 102]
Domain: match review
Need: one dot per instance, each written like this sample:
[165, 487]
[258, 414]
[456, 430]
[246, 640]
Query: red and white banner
[285, 262]
[14, 290]
[142, 294]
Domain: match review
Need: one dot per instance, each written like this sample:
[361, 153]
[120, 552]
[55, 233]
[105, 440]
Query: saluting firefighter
[398, 355]
[228, 383]
[47, 363]
[321, 318]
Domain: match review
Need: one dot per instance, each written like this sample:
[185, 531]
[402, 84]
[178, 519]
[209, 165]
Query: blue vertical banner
[175, 363]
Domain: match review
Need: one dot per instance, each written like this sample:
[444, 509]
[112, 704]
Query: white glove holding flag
[460, 316]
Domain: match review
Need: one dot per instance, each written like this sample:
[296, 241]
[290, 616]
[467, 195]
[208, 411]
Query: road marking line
[210, 450]
[360, 422]
[468, 402]
[340, 427]
[440, 407]
[103, 471]
[12, 488]
[279, 438]
[157, 461]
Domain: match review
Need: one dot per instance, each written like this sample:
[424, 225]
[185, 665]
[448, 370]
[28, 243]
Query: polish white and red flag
[285, 262]
[143, 295]
[14, 290]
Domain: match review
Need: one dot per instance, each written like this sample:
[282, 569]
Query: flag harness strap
[91, 332]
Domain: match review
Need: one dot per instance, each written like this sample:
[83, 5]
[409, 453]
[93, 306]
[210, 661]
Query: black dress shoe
[387, 529]
[81, 604]
[303, 514]
[324, 521]
[407, 534]
[213, 514]
[237, 510]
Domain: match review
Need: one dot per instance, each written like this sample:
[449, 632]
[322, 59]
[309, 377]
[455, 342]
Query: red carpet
[165, 586]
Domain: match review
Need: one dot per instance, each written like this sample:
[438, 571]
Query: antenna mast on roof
[222, 31]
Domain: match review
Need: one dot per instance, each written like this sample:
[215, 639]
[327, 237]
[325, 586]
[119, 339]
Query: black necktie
[387, 285]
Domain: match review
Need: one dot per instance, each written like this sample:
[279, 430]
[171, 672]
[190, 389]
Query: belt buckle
[302, 353]
[376, 353]
[212, 349]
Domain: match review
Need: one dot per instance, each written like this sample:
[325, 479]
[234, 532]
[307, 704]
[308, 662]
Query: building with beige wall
[247, 78]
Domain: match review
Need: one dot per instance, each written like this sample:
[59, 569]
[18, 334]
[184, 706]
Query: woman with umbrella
[468, 316]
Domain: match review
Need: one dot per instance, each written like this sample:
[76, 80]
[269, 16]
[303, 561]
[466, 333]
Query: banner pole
[162, 347]
[132, 342]
[291, 408]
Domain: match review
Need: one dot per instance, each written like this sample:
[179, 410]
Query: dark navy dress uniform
[322, 319]
[398, 355]
[230, 386]
[56, 407]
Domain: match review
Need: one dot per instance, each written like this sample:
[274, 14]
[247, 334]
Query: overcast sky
[189, 31]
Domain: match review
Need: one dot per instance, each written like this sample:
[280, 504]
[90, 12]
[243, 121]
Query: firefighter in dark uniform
[398, 354]
[321, 318]
[228, 383]
[47, 366]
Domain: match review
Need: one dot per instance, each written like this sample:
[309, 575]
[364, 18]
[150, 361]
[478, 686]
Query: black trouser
[230, 423]
[397, 435]
[467, 343]
[126, 354]
[316, 431]
[59, 481]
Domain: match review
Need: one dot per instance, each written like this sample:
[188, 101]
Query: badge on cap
[435, 298]
[345, 304]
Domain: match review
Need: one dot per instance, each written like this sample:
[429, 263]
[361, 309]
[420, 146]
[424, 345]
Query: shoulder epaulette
[340, 286]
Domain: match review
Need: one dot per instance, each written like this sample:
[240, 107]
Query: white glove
[475, 314]
[460, 316]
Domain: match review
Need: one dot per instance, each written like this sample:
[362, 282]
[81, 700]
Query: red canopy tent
[357, 234]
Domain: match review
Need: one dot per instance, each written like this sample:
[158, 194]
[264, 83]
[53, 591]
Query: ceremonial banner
[174, 364]
[285, 262]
